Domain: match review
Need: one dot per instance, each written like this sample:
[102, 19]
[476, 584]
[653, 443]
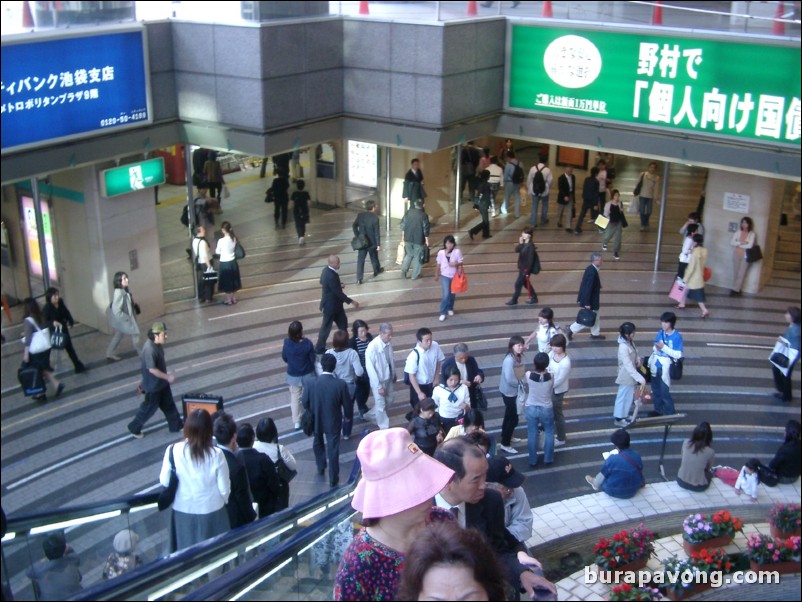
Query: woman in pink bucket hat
[394, 496]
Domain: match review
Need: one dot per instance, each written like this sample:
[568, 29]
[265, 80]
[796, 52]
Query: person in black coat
[367, 224]
[359, 342]
[239, 505]
[787, 461]
[413, 184]
[56, 314]
[262, 475]
[566, 187]
[590, 197]
[526, 262]
[327, 398]
[281, 198]
[461, 359]
[332, 299]
[588, 297]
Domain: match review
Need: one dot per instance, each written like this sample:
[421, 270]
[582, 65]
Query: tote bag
[40, 341]
[459, 283]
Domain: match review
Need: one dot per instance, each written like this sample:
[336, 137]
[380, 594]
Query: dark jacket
[590, 191]
[415, 225]
[424, 432]
[787, 460]
[263, 479]
[240, 510]
[332, 296]
[413, 186]
[473, 370]
[367, 224]
[281, 187]
[590, 289]
[300, 357]
[328, 399]
[564, 189]
[526, 256]
[58, 313]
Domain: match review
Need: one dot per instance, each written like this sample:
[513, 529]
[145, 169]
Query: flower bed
[626, 550]
[684, 578]
[774, 554]
[630, 592]
[700, 531]
[785, 520]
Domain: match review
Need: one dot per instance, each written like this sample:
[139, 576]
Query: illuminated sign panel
[32, 239]
[712, 87]
[363, 163]
[56, 89]
[135, 176]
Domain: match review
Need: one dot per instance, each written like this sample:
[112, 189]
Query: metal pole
[457, 187]
[40, 230]
[191, 204]
[664, 192]
[387, 189]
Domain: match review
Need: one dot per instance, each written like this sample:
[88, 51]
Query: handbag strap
[628, 459]
[35, 325]
[172, 459]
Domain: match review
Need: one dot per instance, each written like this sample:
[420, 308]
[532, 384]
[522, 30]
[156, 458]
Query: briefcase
[31, 380]
[201, 401]
[586, 317]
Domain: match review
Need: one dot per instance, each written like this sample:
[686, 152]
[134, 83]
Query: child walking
[425, 426]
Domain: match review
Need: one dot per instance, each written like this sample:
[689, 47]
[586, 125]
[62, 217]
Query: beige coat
[627, 371]
[694, 273]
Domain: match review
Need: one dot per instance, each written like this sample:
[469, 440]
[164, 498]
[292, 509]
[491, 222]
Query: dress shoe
[377, 272]
[511, 302]
[60, 389]
[80, 368]
[470, 233]
[359, 280]
[569, 230]
[598, 337]
[570, 334]
[531, 301]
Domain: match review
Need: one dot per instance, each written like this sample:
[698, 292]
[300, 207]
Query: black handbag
[167, 495]
[239, 251]
[31, 379]
[644, 369]
[586, 317]
[780, 359]
[360, 242]
[767, 476]
[424, 255]
[753, 254]
[308, 423]
[58, 340]
[675, 369]
[283, 471]
[536, 267]
[481, 398]
[638, 186]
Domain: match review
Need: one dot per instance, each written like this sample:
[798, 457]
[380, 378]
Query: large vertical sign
[363, 163]
[32, 239]
[65, 85]
[705, 86]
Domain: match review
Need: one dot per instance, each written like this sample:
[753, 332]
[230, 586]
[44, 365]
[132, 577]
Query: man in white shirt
[422, 367]
[539, 190]
[379, 365]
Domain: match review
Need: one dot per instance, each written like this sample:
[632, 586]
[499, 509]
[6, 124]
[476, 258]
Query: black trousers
[413, 395]
[484, 226]
[586, 206]
[519, 284]
[510, 420]
[280, 211]
[339, 318]
[362, 394]
[70, 349]
[783, 383]
[161, 399]
[360, 261]
[330, 451]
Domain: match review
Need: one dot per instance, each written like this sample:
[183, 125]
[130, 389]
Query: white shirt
[225, 248]
[441, 503]
[376, 364]
[423, 364]
[496, 173]
[747, 483]
[202, 487]
[447, 408]
[546, 176]
[560, 372]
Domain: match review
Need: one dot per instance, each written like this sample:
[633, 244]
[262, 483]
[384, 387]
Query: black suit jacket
[263, 479]
[240, 510]
[367, 224]
[590, 289]
[471, 366]
[332, 295]
[487, 517]
[564, 189]
[327, 397]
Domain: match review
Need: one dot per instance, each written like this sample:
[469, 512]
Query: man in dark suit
[566, 187]
[471, 374]
[367, 225]
[588, 297]
[413, 184]
[483, 509]
[239, 506]
[327, 398]
[331, 303]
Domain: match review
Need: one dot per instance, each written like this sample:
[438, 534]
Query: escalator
[291, 555]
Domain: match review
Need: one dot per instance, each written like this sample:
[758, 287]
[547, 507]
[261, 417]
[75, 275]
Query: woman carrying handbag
[449, 260]
[37, 346]
[58, 317]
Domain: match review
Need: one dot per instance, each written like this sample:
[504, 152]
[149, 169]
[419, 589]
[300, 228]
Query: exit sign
[132, 177]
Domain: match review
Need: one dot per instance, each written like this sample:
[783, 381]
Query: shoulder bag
[167, 495]
[284, 472]
[640, 472]
[459, 283]
[675, 369]
[40, 341]
[638, 186]
[239, 250]
[753, 254]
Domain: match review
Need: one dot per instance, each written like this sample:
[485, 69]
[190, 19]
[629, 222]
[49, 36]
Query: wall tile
[237, 51]
[240, 102]
[190, 53]
[366, 45]
[324, 45]
[367, 92]
[282, 49]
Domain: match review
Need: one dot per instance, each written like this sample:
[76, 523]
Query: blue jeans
[661, 396]
[511, 189]
[536, 200]
[536, 415]
[645, 210]
[447, 300]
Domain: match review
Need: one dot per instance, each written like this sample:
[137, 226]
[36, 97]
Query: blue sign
[55, 89]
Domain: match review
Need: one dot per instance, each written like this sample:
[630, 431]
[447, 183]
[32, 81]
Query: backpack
[517, 173]
[406, 374]
[539, 182]
[185, 215]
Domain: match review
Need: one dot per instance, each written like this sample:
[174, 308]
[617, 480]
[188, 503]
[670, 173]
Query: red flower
[626, 587]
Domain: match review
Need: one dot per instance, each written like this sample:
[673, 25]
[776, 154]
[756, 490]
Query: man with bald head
[331, 303]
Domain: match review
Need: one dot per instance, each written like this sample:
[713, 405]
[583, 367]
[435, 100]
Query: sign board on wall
[705, 86]
[363, 163]
[32, 238]
[736, 202]
[135, 176]
[64, 85]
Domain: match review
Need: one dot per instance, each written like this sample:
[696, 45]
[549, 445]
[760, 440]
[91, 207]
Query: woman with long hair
[123, 316]
[349, 368]
[57, 315]
[449, 260]
[267, 443]
[694, 275]
[512, 373]
[628, 373]
[34, 322]
[696, 468]
[199, 508]
[742, 239]
[299, 355]
[359, 342]
[787, 462]
[228, 271]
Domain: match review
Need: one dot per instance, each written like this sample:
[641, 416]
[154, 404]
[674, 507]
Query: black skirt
[696, 294]
[229, 280]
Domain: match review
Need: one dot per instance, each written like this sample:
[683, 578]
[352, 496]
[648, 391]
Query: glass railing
[90, 531]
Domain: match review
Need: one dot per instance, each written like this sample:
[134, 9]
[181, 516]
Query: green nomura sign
[129, 178]
[695, 85]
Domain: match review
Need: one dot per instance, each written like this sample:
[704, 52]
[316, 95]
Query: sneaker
[619, 422]
[604, 247]
[297, 426]
[591, 481]
[507, 449]
[516, 440]
[616, 256]
[443, 318]
[558, 442]
[577, 232]
[301, 240]
[139, 435]
[450, 312]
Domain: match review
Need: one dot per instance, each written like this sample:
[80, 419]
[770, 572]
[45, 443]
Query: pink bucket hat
[396, 474]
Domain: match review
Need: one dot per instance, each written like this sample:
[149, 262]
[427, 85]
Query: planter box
[716, 542]
[783, 568]
[685, 594]
[629, 567]
[775, 532]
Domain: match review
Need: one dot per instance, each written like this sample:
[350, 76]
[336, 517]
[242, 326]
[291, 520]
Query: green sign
[695, 85]
[129, 178]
